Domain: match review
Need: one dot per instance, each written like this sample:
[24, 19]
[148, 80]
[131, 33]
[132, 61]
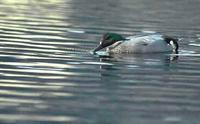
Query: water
[48, 76]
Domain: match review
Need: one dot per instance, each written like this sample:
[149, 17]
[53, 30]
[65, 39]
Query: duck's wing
[146, 40]
[143, 34]
[142, 40]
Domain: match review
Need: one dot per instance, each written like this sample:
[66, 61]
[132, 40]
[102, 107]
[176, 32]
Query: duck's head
[107, 40]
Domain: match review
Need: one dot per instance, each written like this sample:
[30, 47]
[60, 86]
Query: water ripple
[36, 118]
[48, 75]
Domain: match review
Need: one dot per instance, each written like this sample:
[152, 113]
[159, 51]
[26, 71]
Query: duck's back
[143, 44]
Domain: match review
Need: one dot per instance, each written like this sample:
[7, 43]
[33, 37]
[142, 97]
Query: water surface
[48, 76]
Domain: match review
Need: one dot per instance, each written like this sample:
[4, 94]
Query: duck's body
[138, 44]
[141, 44]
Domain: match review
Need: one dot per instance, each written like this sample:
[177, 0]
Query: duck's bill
[98, 48]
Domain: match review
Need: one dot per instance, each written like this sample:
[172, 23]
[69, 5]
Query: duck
[147, 43]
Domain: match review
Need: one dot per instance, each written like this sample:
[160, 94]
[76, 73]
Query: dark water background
[48, 76]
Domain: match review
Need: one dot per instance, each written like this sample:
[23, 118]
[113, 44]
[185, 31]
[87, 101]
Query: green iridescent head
[107, 40]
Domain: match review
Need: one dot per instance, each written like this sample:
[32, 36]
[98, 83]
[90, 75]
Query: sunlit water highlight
[48, 74]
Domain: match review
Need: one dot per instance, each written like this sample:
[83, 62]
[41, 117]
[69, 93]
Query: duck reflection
[137, 65]
[155, 59]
